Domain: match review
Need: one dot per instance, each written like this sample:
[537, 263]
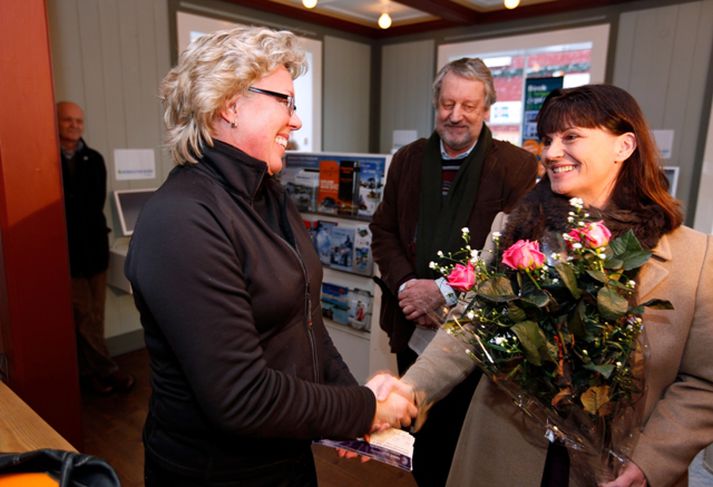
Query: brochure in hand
[393, 447]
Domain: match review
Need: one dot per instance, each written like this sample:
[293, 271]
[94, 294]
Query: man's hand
[418, 297]
[631, 476]
[395, 406]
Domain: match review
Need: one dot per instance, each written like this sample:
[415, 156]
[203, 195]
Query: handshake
[395, 402]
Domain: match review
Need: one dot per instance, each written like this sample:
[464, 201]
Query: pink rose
[462, 277]
[596, 234]
[524, 255]
[574, 237]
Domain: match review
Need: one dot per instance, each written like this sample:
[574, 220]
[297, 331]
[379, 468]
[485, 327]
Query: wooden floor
[111, 428]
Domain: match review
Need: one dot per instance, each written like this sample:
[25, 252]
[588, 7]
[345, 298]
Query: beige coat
[498, 446]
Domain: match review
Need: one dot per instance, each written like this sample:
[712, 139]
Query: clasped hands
[418, 298]
[395, 407]
[395, 402]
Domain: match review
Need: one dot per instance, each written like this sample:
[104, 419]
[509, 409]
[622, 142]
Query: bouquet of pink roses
[560, 333]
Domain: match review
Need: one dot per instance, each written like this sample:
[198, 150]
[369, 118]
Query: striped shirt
[450, 166]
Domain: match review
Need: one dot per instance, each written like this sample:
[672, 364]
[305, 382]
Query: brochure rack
[337, 193]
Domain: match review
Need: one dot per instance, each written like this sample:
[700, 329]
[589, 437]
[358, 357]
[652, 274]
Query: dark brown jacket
[508, 173]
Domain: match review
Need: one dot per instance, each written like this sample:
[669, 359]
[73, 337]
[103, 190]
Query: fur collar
[541, 211]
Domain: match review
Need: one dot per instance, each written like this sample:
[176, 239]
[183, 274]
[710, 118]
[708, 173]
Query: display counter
[21, 429]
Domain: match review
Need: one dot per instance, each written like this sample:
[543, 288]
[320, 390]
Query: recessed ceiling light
[384, 20]
[511, 3]
[309, 3]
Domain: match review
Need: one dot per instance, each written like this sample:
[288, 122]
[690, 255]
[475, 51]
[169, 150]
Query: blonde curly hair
[214, 68]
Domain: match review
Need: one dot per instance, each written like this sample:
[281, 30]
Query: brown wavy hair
[641, 181]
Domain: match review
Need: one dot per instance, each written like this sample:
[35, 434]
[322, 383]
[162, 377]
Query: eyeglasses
[288, 100]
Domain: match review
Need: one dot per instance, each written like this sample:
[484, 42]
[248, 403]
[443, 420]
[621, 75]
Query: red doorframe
[37, 329]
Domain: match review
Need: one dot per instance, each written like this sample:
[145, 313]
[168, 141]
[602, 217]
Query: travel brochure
[350, 307]
[345, 246]
[393, 447]
[344, 185]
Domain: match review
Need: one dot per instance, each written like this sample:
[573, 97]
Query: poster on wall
[536, 90]
[133, 164]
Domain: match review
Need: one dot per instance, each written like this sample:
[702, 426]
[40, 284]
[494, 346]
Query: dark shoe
[99, 386]
[121, 381]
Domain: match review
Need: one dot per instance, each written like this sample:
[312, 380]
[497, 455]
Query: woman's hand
[631, 476]
[395, 403]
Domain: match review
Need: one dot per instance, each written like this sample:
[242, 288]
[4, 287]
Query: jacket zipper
[308, 300]
[308, 312]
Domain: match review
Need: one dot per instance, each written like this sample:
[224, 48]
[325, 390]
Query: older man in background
[84, 181]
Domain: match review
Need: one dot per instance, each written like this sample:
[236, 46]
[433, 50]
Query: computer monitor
[128, 206]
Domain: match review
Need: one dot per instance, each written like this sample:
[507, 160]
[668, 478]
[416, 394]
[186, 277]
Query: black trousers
[436, 442]
[556, 473]
[297, 472]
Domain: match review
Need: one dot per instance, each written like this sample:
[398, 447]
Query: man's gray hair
[471, 68]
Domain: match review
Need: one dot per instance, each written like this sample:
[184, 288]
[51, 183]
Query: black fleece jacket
[227, 282]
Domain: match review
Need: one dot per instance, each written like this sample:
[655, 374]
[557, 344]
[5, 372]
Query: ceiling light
[384, 20]
[309, 3]
[511, 3]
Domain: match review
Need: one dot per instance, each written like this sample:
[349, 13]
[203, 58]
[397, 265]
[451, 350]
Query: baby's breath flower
[577, 202]
[496, 235]
[577, 245]
[433, 265]
[631, 284]
[555, 256]
[570, 219]
[439, 253]
[465, 230]
[602, 256]
[580, 224]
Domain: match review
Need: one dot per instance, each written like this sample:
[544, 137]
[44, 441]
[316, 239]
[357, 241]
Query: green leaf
[658, 304]
[598, 276]
[498, 289]
[605, 369]
[625, 243]
[533, 341]
[610, 304]
[576, 321]
[516, 313]
[613, 263]
[635, 259]
[537, 297]
[567, 275]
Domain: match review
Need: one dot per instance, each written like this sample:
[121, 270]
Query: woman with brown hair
[598, 147]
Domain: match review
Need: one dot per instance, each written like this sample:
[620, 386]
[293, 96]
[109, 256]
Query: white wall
[704, 208]
[407, 71]
[347, 88]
